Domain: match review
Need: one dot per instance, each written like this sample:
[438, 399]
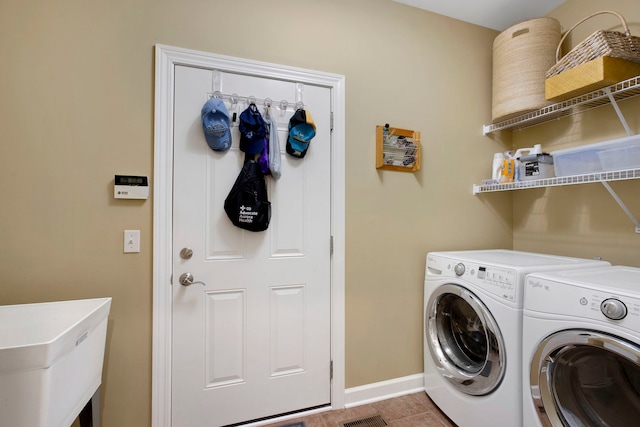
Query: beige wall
[582, 220]
[76, 107]
[76, 99]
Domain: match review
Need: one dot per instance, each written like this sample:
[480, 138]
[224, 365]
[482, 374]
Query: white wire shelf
[620, 175]
[623, 90]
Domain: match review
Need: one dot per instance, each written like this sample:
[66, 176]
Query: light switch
[131, 241]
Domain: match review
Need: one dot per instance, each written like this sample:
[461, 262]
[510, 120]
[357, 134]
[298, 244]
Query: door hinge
[331, 121]
[331, 370]
[331, 245]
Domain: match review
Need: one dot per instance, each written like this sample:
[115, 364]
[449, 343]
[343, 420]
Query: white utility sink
[51, 357]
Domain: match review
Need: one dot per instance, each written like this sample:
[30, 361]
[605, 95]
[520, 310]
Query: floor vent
[376, 421]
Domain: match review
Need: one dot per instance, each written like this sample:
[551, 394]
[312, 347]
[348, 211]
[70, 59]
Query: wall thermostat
[131, 187]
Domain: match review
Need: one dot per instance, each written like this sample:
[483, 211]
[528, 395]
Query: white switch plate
[131, 241]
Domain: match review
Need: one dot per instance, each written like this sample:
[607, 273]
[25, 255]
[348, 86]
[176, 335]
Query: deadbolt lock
[186, 253]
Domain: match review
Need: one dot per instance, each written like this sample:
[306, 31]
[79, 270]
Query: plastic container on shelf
[530, 155]
[626, 157]
[535, 166]
[617, 154]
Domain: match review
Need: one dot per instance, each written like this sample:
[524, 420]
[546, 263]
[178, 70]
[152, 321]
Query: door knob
[186, 279]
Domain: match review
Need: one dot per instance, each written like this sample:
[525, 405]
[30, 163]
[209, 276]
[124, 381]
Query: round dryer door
[586, 378]
[464, 340]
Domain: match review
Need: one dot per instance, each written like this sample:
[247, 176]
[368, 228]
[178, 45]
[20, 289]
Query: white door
[253, 338]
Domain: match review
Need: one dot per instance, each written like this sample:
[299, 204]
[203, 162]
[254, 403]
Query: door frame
[166, 59]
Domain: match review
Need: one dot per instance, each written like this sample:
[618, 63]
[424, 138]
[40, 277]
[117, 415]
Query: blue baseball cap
[301, 130]
[253, 130]
[215, 124]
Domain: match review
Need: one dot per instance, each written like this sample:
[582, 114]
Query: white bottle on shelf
[498, 160]
[536, 149]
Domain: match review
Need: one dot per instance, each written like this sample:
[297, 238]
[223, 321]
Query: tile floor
[412, 410]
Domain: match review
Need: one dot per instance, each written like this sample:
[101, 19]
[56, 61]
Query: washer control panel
[552, 297]
[499, 281]
[496, 280]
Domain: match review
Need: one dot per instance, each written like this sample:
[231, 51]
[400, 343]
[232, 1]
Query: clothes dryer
[581, 348]
[473, 327]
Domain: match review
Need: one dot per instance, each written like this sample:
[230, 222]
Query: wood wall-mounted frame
[400, 151]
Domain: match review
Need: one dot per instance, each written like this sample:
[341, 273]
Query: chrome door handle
[186, 279]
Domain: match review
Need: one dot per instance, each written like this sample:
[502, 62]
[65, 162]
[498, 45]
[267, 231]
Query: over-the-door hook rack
[235, 99]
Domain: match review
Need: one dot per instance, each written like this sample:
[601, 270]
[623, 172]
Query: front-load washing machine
[472, 324]
[581, 348]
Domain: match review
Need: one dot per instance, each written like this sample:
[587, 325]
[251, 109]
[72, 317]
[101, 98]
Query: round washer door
[586, 378]
[464, 340]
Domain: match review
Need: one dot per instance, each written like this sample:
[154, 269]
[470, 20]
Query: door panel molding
[226, 328]
[166, 59]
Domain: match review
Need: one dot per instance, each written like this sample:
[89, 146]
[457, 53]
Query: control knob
[614, 309]
[459, 269]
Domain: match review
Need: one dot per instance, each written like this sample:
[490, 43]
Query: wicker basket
[522, 54]
[601, 43]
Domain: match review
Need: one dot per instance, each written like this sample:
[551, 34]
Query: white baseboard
[382, 390]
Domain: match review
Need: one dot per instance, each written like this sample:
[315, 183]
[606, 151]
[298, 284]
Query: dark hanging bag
[247, 205]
